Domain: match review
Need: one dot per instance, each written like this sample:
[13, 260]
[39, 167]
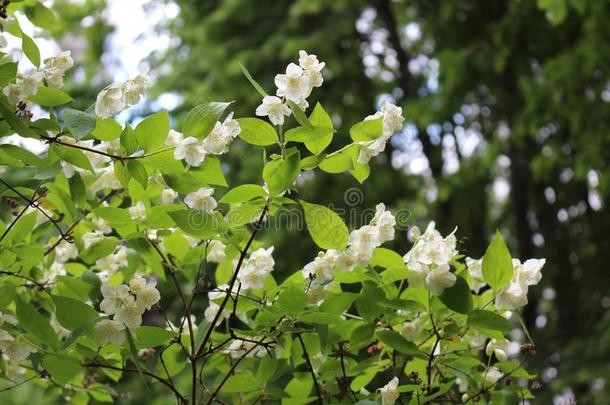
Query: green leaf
[397, 342]
[36, 324]
[79, 123]
[138, 172]
[61, 367]
[134, 355]
[367, 130]
[340, 161]
[106, 129]
[319, 118]
[42, 17]
[202, 118]
[245, 213]
[72, 313]
[257, 132]
[325, 227]
[281, 173]
[458, 297]
[30, 49]
[369, 300]
[152, 131]
[128, 140]
[50, 97]
[266, 369]
[197, 223]
[303, 134]
[387, 258]
[8, 73]
[8, 151]
[362, 336]
[299, 115]
[17, 124]
[483, 319]
[243, 193]
[252, 81]
[78, 191]
[497, 264]
[322, 318]
[151, 336]
[72, 155]
[292, 300]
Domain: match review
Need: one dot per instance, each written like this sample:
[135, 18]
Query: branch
[56, 140]
[223, 304]
[313, 374]
[145, 372]
[19, 383]
[231, 370]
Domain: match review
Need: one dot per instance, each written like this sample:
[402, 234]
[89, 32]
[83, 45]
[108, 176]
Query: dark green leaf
[79, 123]
[458, 297]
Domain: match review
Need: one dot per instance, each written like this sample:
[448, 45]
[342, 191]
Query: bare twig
[313, 373]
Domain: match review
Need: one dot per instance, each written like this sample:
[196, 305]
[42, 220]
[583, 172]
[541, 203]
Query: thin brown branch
[223, 304]
[230, 372]
[311, 370]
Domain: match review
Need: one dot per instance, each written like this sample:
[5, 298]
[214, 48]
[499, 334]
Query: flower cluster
[126, 304]
[256, 268]
[362, 243]
[392, 121]
[514, 296]
[428, 260]
[52, 75]
[193, 150]
[116, 97]
[295, 85]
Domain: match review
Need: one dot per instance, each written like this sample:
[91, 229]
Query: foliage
[115, 211]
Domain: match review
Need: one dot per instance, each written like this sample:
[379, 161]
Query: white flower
[14, 92]
[191, 150]
[312, 68]
[114, 298]
[54, 77]
[201, 200]
[91, 238]
[366, 238]
[321, 268]
[528, 273]
[130, 313]
[216, 251]
[111, 263]
[31, 83]
[138, 211]
[212, 310]
[146, 292]
[173, 138]
[293, 85]
[110, 101]
[411, 329]
[385, 222]
[239, 347]
[61, 62]
[389, 392]
[352, 258]
[274, 108]
[217, 142]
[432, 248]
[65, 251]
[439, 278]
[109, 331]
[497, 348]
[370, 149]
[475, 268]
[512, 297]
[101, 224]
[3, 41]
[168, 196]
[106, 179]
[493, 375]
[16, 349]
[256, 269]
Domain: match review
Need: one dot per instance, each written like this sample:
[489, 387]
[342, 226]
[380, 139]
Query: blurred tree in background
[505, 96]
